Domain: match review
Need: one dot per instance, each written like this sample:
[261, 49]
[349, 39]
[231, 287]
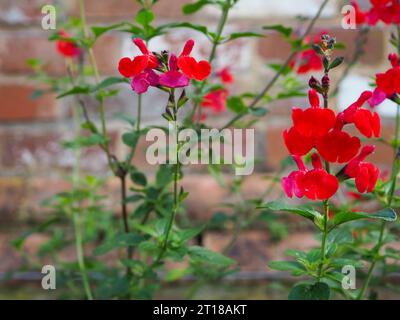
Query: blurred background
[33, 163]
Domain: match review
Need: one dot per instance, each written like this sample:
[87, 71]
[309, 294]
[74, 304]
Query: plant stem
[176, 198]
[215, 44]
[395, 171]
[270, 84]
[75, 213]
[393, 179]
[324, 236]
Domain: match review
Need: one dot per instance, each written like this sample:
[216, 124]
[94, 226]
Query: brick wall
[33, 164]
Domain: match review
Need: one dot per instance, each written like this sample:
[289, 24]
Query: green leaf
[74, 91]
[286, 31]
[120, 241]
[237, 35]
[108, 82]
[188, 25]
[191, 8]
[202, 254]
[387, 214]
[236, 104]
[164, 176]
[139, 178]
[293, 266]
[258, 111]
[317, 291]
[188, 234]
[85, 141]
[305, 212]
[338, 61]
[125, 117]
[144, 17]
[130, 139]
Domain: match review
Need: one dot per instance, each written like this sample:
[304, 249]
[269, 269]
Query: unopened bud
[325, 81]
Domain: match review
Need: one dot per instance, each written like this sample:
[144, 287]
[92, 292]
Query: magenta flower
[173, 78]
[142, 81]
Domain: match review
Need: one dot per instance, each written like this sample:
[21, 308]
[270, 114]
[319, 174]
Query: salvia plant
[128, 255]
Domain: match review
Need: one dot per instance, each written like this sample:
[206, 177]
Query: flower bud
[325, 81]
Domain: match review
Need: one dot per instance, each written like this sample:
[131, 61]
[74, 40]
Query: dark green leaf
[139, 178]
[75, 90]
[144, 17]
[108, 82]
[236, 104]
[237, 35]
[130, 139]
[338, 61]
[305, 212]
[120, 241]
[387, 214]
[202, 254]
[317, 291]
[293, 266]
[286, 31]
[191, 8]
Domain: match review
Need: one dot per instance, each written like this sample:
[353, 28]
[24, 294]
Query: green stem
[216, 42]
[324, 237]
[270, 84]
[76, 217]
[176, 197]
[80, 256]
[378, 246]
[395, 171]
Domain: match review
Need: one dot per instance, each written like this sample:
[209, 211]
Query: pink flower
[173, 78]
[142, 81]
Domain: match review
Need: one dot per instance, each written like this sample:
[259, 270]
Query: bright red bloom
[388, 83]
[216, 100]
[387, 11]
[315, 184]
[189, 66]
[66, 47]
[296, 143]
[314, 121]
[307, 61]
[365, 173]
[132, 67]
[338, 146]
[226, 75]
[368, 123]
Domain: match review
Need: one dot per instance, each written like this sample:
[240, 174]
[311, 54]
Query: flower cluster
[388, 83]
[216, 100]
[175, 72]
[321, 130]
[387, 11]
[67, 47]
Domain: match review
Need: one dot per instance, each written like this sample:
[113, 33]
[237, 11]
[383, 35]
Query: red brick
[18, 47]
[17, 104]
[42, 153]
[275, 150]
[12, 198]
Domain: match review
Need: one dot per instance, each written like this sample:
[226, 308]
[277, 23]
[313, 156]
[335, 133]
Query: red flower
[296, 143]
[365, 173]
[314, 121]
[315, 184]
[226, 76]
[133, 67]
[366, 122]
[388, 83]
[338, 146]
[387, 11]
[189, 66]
[216, 100]
[66, 47]
[306, 61]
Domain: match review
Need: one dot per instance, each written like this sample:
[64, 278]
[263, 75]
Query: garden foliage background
[33, 164]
